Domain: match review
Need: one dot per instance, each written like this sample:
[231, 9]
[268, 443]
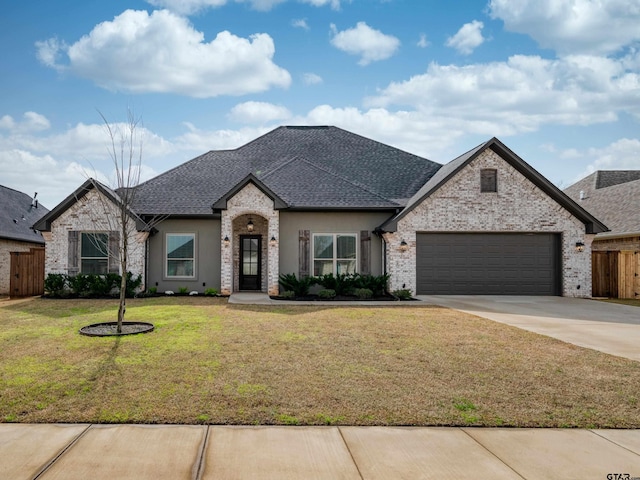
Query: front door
[250, 262]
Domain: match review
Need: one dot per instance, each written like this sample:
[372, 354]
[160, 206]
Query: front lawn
[210, 362]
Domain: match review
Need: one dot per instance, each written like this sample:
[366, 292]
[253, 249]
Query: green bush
[183, 290]
[343, 283]
[363, 293]
[55, 284]
[79, 284]
[300, 287]
[289, 295]
[211, 292]
[132, 284]
[376, 283]
[153, 290]
[327, 293]
[402, 294]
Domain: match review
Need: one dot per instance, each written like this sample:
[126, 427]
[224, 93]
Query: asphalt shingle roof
[307, 167]
[612, 196]
[17, 216]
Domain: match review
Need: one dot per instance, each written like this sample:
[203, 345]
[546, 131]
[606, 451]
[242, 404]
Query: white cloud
[189, 7]
[520, 95]
[32, 122]
[573, 26]
[423, 42]
[311, 78]
[370, 44]
[300, 23]
[162, 52]
[468, 38]
[258, 112]
[623, 154]
[197, 140]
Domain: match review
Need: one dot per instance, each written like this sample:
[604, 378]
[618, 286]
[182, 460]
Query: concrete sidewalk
[607, 327]
[155, 452]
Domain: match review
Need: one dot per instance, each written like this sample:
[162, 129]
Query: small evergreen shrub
[299, 286]
[402, 294]
[211, 292]
[153, 290]
[183, 290]
[363, 293]
[343, 283]
[55, 284]
[132, 284]
[327, 294]
[289, 295]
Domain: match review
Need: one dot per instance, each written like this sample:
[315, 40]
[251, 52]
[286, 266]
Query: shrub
[211, 292]
[327, 293]
[132, 284]
[80, 284]
[363, 293]
[377, 284]
[300, 287]
[102, 285]
[183, 290]
[153, 290]
[342, 283]
[402, 294]
[289, 295]
[55, 284]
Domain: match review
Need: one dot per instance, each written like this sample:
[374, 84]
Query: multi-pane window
[334, 253]
[489, 180]
[180, 255]
[94, 253]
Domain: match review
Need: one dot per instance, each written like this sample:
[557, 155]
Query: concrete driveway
[607, 327]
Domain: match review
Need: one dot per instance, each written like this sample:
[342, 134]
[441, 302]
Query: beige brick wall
[89, 214]
[6, 247]
[518, 206]
[250, 200]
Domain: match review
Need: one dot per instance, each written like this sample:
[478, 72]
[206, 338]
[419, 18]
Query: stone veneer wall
[6, 247]
[89, 214]
[249, 201]
[518, 206]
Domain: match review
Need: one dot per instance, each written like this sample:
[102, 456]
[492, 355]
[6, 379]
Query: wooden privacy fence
[27, 273]
[616, 274]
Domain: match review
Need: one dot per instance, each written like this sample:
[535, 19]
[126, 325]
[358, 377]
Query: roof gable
[44, 224]
[221, 203]
[18, 214]
[592, 225]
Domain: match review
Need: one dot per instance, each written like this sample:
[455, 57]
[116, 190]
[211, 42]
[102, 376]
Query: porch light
[250, 225]
[579, 247]
[403, 246]
[273, 241]
[226, 241]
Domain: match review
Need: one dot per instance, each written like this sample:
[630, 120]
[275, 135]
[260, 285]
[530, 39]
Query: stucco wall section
[518, 206]
[249, 200]
[6, 247]
[89, 214]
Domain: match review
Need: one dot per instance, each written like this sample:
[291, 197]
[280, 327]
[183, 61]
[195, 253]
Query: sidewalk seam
[595, 432]
[464, 430]
[350, 454]
[50, 463]
[203, 450]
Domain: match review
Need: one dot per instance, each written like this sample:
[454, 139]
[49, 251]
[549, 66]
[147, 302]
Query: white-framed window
[94, 253]
[334, 253]
[180, 255]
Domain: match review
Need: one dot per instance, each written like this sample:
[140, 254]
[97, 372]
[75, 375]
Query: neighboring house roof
[18, 214]
[305, 167]
[44, 223]
[592, 224]
[614, 197]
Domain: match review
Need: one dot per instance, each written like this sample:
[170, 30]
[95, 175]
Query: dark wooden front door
[250, 262]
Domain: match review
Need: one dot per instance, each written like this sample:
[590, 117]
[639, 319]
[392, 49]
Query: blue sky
[558, 81]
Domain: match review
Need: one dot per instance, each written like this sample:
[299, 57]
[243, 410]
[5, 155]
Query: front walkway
[607, 327]
[70, 452]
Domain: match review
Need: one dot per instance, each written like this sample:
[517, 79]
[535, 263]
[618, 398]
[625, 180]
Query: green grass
[215, 363]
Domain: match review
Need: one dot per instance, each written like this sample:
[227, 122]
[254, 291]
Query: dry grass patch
[210, 362]
[623, 301]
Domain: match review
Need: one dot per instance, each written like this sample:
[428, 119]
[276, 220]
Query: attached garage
[488, 264]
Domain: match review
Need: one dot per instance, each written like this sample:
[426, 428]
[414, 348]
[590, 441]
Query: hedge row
[60, 285]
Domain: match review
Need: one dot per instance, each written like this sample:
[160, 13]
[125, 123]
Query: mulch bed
[108, 329]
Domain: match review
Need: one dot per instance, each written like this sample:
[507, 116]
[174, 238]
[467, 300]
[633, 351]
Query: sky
[558, 81]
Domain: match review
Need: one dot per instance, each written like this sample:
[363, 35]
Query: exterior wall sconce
[404, 246]
[579, 247]
[226, 241]
[273, 242]
[250, 225]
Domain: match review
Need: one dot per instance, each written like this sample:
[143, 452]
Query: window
[94, 253]
[489, 180]
[181, 255]
[334, 253]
